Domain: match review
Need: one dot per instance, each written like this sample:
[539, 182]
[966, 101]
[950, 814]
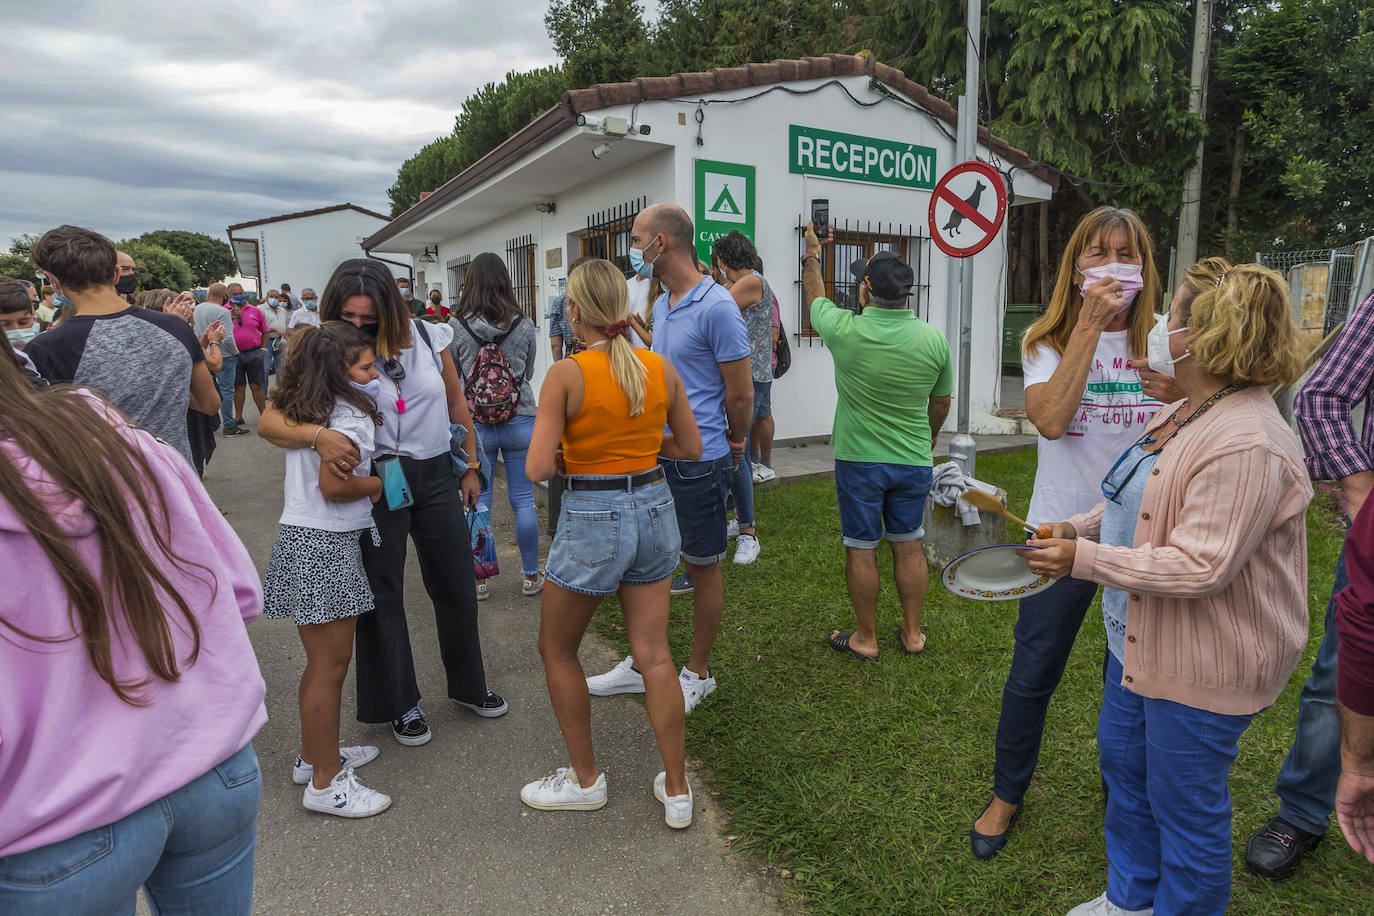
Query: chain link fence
[1326, 283]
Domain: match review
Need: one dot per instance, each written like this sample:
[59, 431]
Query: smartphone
[820, 217]
[395, 487]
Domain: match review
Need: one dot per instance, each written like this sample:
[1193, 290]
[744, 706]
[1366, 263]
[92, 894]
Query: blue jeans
[742, 487]
[1307, 780]
[512, 440]
[191, 850]
[699, 491]
[1168, 822]
[607, 538]
[880, 500]
[1046, 626]
[224, 381]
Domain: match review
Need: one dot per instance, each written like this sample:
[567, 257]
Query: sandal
[902, 642]
[840, 643]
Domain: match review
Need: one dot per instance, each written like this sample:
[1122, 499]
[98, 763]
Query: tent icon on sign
[725, 204]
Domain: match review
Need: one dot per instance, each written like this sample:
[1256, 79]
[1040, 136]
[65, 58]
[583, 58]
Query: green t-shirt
[888, 365]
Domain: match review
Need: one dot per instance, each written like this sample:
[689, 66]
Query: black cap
[886, 275]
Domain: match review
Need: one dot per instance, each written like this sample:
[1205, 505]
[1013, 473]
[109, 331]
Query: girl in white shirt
[315, 575]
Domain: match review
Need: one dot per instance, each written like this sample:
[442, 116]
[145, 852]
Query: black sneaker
[235, 431]
[682, 585]
[1275, 851]
[490, 707]
[411, 729]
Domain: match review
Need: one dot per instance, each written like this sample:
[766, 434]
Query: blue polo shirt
[704, 329]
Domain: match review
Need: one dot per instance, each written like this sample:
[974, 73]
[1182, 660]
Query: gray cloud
[130, 117]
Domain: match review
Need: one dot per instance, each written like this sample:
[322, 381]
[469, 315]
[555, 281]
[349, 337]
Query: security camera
[601, 151]
[584, 121]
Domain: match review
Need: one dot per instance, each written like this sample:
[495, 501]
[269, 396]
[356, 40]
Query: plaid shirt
[1342, 381]
[559, 326]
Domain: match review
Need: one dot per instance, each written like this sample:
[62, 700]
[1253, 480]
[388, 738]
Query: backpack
[492, 390]
[782, 353]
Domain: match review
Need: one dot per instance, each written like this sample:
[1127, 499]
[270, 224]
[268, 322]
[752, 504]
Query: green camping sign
[724, 202]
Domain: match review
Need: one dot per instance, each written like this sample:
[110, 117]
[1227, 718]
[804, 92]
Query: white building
[742, 148]
[304, 248]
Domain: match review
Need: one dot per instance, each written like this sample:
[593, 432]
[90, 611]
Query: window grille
[457, 272]
[520, 263]
[854, 239]
[608, 233]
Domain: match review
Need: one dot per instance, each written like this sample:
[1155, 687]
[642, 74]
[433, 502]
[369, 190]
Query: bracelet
[316, 439]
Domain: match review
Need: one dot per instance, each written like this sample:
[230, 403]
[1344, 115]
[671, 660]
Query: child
[315, 575]
[17, 318]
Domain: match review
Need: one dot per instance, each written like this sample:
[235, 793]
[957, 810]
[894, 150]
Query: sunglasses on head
[393, 369]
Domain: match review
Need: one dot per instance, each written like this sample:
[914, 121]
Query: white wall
[756, 133]
[305, 251]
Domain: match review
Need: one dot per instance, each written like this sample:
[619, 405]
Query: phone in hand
[820, 217]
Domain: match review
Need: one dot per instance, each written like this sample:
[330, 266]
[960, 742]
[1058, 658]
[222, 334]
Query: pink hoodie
[73, 756]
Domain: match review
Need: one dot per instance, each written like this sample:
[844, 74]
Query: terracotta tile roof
[303, 213]
[687, 86]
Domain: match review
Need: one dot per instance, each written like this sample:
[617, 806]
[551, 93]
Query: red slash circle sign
[967, 208]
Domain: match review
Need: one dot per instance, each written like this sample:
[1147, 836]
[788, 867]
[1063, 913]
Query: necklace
[1206, 406]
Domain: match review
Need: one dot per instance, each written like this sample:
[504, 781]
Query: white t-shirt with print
[424, 427]
[305, 506]
[1111, 415]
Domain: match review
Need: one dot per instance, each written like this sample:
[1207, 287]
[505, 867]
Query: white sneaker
[623, 678]
[559, 791]
[732, 529]
[483, 593]
[529, 587]
[694, 688]
[763, 473]
[348, 756]
[677, 809]
[1104, 907]
[346, 797]
[746, 550]
[758, 472]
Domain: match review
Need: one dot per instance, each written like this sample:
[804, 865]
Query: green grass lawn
[859, 781]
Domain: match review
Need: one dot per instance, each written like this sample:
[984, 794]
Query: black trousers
[437, 525]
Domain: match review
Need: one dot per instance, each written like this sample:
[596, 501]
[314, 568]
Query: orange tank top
[603, 438]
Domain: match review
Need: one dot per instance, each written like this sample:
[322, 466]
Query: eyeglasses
[1111, 488]
[393, 369]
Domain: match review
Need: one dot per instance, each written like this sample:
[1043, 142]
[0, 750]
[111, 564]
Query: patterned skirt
[316, 576]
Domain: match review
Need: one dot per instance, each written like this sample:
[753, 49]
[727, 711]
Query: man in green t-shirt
[403, 286]
[894, 378]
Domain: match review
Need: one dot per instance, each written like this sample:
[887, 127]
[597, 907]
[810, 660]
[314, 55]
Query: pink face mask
[1129, 275]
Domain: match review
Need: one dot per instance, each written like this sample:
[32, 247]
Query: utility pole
[1197, 105]
[962, 448]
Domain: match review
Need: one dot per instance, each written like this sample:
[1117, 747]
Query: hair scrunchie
[615, 329]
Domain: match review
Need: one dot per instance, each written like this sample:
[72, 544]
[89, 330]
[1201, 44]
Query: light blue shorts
[607, 538]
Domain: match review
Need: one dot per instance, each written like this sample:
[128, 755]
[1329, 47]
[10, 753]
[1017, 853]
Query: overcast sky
[165, 114]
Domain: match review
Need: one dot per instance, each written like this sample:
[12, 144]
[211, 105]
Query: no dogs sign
[967, 208]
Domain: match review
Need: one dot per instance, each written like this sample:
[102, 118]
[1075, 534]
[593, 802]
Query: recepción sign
[724, 202]
[830, 154]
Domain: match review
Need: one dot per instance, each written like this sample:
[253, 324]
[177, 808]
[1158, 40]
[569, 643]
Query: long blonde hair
[1053, 328]
[1242, 328]
[598, 290]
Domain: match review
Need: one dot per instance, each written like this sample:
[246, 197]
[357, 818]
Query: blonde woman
[1201, 541]
[1088, 403]
[617, 531]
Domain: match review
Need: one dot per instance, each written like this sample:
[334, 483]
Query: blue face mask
[311, 304]
[372, 389]
[273, 302]
[643, 268]
[238, 299]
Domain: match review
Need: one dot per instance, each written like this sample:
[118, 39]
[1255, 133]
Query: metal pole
[1191, 204]
[962, 449]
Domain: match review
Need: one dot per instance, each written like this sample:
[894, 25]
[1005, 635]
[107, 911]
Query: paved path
[457, 839]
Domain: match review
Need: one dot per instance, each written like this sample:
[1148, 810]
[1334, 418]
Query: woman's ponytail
[598, 288]
[630, 373]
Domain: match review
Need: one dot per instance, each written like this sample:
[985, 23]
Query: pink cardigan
[1217, 617]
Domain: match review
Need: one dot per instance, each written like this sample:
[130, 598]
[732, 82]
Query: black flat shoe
[984, 846]
[1276, 850]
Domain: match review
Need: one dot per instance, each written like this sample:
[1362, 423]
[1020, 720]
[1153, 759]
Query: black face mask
[369, 329]
[126, 284]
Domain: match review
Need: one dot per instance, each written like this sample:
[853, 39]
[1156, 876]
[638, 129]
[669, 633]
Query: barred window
[520, 263]
[854, 239]
[608, 233]
[457, 272]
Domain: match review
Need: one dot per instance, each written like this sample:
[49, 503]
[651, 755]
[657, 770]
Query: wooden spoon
[986, 502]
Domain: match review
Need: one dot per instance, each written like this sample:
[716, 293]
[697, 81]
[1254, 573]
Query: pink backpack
[492, 390]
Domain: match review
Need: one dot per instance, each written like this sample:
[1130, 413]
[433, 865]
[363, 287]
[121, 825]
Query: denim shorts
[700, 489]
[609, 538]
[875, 497]
[763, 400]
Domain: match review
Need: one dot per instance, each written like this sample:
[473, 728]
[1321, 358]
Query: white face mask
[1157, 347]
[372, 389]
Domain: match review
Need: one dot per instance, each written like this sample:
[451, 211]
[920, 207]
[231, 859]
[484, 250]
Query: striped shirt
[1342, 381]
